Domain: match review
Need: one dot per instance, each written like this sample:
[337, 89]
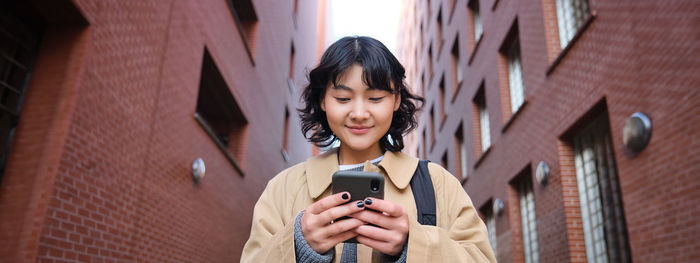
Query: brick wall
[631, 56]
[100, 168]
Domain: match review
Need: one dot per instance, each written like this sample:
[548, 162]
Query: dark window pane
[19, 43]
[219, 113]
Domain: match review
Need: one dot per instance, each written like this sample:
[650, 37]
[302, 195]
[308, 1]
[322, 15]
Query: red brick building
[511, 84]
[106, 105]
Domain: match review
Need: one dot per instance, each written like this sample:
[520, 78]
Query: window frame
[239, 123]
[491, 228]
[528, 219]
[30, 40]
[555, 51]
[596, 181]
[461, 169]
[248, 29]
[477, 25]
[484, 127]
[567, 21]
[516, 82]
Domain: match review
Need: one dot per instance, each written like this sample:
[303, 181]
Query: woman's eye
[342, 99]
[376, 98]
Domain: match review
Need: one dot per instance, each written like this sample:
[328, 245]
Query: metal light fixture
[497, 206]
[542, 173]
[285, 156]
[637, 132]
[198, 170]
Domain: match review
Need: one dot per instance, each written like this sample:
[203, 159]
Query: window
[438, 32]
[425, 147]
[432, 126]
[429, 13]
[441, 100]
[19, 44]
[484, 125]
[296, 12]
[423, 84]
[290, 78]
[602, 216]
[247, 21]
[296, 7]
[443, 160]
[285, 139]
[456, 67]
[528, 218]
[571, 14]
[510, 73]
[461, 151]
[483, 136]
[414, 59]
[292, 54]
[421, 36]
[491, 228]
[515, 74]
[490, 218]
[430, 62]
[219, 114]
[476, 19]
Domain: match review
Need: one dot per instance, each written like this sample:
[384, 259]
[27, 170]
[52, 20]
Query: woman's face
[359, 116]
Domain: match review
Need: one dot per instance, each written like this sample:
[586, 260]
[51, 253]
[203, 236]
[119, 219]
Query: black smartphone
[360, 185]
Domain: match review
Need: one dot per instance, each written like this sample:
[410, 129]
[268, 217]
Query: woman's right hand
[316, 225]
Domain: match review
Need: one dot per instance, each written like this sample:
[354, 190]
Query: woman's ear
[323, 104]
[397, 102]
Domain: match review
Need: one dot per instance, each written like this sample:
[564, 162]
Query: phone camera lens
[374, 185]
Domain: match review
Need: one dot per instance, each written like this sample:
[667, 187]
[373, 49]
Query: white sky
[374, 18]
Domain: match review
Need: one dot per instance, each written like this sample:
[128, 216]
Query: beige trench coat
[460, 235]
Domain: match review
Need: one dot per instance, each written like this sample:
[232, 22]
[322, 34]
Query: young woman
[357, 95]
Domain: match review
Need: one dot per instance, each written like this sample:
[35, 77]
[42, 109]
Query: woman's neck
[350, 156]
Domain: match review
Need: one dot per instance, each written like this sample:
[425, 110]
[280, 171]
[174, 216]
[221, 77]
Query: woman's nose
[359, 111]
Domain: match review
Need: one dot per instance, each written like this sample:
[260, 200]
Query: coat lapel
[399, 168]
[319, 170]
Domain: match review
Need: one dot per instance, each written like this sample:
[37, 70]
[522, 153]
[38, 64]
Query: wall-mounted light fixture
[198, 170]
[637, 132]
[497, 207]
[542, 173]
[285, 156]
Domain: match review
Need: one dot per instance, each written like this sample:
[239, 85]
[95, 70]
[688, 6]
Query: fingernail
[368, 201]
[345, 196]
[360, 204]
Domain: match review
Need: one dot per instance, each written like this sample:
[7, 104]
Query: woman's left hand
[391, 230]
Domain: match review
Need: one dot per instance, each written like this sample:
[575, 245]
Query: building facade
[107, 105]
[516, 90]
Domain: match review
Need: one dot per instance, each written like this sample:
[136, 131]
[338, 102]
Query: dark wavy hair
[380, 70]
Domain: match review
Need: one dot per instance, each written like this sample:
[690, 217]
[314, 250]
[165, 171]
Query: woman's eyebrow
[378, 88]
[342, 87]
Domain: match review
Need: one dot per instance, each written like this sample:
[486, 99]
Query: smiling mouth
[358, 129]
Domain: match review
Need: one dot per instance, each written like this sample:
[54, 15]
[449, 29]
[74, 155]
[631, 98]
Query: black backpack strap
[424, 194]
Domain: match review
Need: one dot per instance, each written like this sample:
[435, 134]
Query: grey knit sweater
[304, 252]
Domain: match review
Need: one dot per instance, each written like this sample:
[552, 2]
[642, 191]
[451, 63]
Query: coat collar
[319, 170]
